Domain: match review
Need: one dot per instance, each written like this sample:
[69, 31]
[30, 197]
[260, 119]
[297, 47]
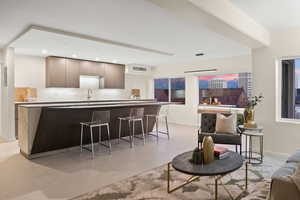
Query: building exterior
[245, 82]
[217, 83]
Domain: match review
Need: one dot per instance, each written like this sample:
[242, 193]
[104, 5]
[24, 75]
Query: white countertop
[79, 101]
[91, 104]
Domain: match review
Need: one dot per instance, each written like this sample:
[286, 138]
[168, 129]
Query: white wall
[279, 137]
[30, 72]
[1, 95]
[187, 114]
[7, 130]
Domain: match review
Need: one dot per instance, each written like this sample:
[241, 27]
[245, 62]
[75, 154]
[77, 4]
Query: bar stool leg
[108, 137]
[156, 126]
[133, 131]
[92, 142]
[120, 126]
[130, 136]
[81, 137]
[167, 126]
[147, 124]
[143, 132]
[100, 135]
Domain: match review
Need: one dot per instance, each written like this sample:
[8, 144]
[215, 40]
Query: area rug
[152, 185]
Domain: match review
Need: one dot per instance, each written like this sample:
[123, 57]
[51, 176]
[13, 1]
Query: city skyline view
[229, 88]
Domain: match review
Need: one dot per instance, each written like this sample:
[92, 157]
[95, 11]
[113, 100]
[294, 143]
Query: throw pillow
[226, 124]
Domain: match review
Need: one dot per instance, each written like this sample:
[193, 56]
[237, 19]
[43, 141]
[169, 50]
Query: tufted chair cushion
[208, 123]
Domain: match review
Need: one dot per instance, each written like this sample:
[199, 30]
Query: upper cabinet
[65, 72]
[55, 72]
[72, 73]
[114, 76]
[90, 68]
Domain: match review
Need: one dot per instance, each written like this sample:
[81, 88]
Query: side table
[249, 153]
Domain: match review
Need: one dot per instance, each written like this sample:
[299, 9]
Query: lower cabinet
[65, 72]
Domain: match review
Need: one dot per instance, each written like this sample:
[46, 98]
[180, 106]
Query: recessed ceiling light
[74, 56]
[199, 54]
[44, 51]
[114, 61]
[97, 59]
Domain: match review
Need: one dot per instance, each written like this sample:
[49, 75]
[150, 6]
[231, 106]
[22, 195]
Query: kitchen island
[47, 128]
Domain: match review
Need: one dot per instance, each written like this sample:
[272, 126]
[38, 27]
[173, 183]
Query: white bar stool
[136, 115]
[99, 119]
[162, 114]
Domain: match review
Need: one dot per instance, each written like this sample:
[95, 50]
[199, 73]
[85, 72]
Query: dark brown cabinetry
[65, 72]
[114, 76]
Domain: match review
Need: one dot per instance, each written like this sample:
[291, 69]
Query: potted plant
[249, 111]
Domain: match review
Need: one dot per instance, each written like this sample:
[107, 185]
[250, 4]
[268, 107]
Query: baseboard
[277, 153]
[184, 124]
[7, 139]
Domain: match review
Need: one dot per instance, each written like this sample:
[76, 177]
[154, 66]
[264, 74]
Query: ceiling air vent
[139, 69]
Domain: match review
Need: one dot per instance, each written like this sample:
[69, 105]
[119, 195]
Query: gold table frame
[194, 178]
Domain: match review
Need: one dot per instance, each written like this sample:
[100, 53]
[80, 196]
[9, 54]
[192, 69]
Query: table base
[254, 158]
[217, 178]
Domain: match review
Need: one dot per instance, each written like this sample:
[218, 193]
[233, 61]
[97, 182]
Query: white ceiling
[273, 14]
[134, 22]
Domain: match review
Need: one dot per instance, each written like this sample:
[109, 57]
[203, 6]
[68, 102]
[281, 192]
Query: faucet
[89, 95]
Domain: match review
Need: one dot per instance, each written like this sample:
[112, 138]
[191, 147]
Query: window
[161, 89]
[228, 89]
[290, 88]
[170, 90]
[178, 90]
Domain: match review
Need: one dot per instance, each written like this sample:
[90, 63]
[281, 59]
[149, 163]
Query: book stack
[221, 152]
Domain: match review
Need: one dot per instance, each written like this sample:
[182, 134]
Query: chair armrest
[238, 130]
[199, 131]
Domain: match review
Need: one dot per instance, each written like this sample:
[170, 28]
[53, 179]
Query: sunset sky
[226, 77]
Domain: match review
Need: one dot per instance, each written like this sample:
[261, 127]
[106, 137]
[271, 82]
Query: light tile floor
[72, 173]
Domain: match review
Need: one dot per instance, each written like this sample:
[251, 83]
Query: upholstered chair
[208, 128]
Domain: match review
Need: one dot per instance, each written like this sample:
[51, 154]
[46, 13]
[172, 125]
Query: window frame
[278, 91]
[169, 89]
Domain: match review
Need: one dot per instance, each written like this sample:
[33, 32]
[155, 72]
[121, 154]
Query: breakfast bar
[47, 128]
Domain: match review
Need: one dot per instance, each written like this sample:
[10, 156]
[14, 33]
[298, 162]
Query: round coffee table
[217, 168]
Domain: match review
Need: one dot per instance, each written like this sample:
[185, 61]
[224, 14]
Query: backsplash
[131, 82]
[47, 94]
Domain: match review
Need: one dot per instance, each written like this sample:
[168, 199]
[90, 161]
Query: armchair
[208, 128]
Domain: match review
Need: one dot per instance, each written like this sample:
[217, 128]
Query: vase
[249, 118]
[197, 157]
[208, 150]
